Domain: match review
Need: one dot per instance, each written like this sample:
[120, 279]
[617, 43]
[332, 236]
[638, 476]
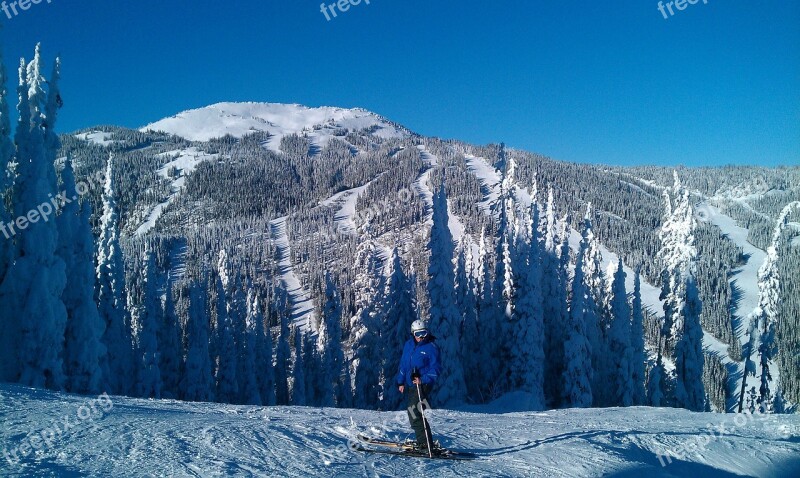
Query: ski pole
[424, 421]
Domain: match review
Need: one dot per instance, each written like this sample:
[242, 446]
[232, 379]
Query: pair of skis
[408, 450]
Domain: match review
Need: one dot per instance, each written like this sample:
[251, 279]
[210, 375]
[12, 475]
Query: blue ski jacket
[422, 357]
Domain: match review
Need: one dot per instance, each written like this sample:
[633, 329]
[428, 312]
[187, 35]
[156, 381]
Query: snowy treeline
[199, 307]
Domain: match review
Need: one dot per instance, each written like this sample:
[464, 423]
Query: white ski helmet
[418, 325]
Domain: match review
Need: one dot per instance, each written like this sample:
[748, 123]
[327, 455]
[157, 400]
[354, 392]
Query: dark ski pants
[415, 412]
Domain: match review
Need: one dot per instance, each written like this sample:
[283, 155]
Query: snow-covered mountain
[302, 192]
[48, 434]
[238, 119]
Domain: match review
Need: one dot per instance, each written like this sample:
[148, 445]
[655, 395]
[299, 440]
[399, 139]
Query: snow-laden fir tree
[467, 304]
[251, 392]
[527, 367]
[83, 347]
[399, 312]
[171, 354]
[145, 329]
[765, 318]
[689, 359]
[282, 352]
[619, 343]
[227, 360]
[504, 288]
[483, 362]
[555, 284]
[329, 345]
[578, 372]
[639, 354]
[682, 304]
[299, 397]
[32, 287]
[310, 364]
[445, 319]
[198, 379]
[596, 318]
[594, 286]
[265, 370]
[368, 348]
[118, 364]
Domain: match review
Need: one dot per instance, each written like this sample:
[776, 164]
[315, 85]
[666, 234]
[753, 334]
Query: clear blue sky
[589, 81]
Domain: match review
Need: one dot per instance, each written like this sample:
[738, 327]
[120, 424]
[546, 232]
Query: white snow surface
[239, 119]
[124, 437]
[97, 137]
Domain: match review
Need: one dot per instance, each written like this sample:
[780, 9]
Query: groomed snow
[121, 437]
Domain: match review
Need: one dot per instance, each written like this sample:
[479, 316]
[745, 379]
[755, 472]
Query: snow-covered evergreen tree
[484, 358]
[467, 304]
[36, 279]
[690, 388]
[555, 286]
[299, 397]
[198, 380]
[265, 370]
[765, 318]
[527, 367]
[311, 365]
[594, 287]
[445, 320]
[365, 367]
[146, 333]
[83, 347]
[596, 320]
[329, 345]
[118, 364]
[682, 304]
[169, 341]
[282, 355]
[639, 354]
[227, 361]
[619, 338]
[578, 372]
[655, 383]
[251, 393]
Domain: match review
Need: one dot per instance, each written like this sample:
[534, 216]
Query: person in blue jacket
[419, 369]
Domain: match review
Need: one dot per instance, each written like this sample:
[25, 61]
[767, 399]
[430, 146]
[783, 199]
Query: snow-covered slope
[116, 436]
[238, 119]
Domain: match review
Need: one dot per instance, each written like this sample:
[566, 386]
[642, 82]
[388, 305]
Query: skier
[419, 369]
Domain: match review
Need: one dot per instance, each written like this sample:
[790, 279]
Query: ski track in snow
[745, 280]
[186, 160]
[346, 203]
[303, 313]
[423, 190]
[145, 438]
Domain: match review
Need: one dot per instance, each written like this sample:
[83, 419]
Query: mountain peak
[238, 119]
